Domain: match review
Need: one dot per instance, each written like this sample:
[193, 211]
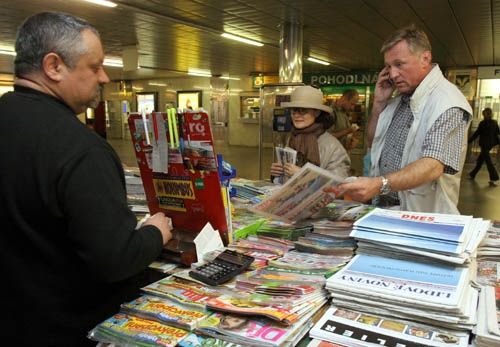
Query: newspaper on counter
[301, 196]
[487, 329]
[426, 285]
[354, 328]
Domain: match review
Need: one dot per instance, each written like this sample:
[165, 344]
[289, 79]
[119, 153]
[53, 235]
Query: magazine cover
[164, 311]
[301, 196]
[123, 329]
[194, 340]
[181, 291]
[226, 303]
[423, 283]
[354, 327]
[258, 332]
[445, 227]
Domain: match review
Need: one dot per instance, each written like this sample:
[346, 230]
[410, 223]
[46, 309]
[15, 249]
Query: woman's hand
[291, 169]
[277, 170]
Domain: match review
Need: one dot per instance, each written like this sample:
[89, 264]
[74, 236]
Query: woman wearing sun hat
[311, 118]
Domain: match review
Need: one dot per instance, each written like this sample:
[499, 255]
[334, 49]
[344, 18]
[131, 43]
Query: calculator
[224, 267]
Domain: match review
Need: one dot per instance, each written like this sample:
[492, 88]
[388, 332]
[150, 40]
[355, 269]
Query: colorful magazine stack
[443, 237]
[164, 311]
[254, 332]
[126, 330]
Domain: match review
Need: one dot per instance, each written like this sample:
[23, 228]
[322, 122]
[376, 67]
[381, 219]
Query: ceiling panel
[173, 35]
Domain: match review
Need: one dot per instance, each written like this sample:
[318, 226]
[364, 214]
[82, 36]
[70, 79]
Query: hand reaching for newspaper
[161, 222]
[361, 189]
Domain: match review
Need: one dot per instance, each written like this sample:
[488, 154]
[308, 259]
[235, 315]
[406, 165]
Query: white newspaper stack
[490, 246]
[444, 237]
[355, 328]
[435, 294]
[488, 326]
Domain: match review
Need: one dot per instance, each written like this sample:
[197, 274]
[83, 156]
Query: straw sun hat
[307, 97]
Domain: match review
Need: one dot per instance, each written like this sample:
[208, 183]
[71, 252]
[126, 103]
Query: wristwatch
[385, 188]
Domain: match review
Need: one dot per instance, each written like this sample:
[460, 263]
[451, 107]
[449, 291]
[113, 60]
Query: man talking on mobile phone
[417, 136]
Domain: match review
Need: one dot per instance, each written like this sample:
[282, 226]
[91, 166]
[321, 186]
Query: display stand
[188, 188]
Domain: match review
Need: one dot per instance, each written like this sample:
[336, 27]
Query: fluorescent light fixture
[7, 52]
[158, 84]
[242, 39]
[115, 62]
[314, 60]
[103, 3]
[229, 78]
[199, 72]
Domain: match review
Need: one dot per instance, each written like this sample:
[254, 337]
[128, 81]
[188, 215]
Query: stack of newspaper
[355, 328]
[444, 237]
[431, 293]
[489, 249]
[488, 322]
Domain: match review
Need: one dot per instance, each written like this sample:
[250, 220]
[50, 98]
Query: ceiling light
[157, 84]
[103, 3]
[115, 62]
[199, 72]
[229, 78]
[314, 60]
[242, 39]
[7, 52]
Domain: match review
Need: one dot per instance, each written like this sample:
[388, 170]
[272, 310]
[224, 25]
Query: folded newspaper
[301, 196]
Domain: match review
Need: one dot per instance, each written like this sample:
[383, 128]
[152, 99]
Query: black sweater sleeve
[91, 191]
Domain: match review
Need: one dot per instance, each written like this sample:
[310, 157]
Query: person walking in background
[488, 134]
[342, 129]
[70, 252]
[310, 119]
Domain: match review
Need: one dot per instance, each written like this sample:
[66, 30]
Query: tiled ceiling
[173, 35]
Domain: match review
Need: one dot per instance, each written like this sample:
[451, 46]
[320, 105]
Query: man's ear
[426, 57]
[53, 66]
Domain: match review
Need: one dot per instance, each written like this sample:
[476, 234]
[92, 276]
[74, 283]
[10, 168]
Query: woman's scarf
[305, 142]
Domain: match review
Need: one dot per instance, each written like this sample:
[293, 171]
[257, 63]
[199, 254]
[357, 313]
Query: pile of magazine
[136, 196]
[442, 237]
[282, 230]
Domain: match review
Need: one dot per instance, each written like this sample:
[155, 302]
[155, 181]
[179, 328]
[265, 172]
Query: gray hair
[47, 32]
[417, 40]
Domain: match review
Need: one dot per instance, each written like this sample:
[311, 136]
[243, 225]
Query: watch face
[385, 188]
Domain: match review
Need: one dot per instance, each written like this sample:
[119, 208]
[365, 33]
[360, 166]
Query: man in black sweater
[69, 250]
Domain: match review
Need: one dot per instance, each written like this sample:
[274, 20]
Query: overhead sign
[341, 78]
[488, 72]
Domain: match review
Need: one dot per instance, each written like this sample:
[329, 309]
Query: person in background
[70, 253]
[418, 137]
[488, 134]
[342, 129]
[311, 118]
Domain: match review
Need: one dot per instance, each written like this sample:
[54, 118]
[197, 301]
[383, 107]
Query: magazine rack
[189, 189]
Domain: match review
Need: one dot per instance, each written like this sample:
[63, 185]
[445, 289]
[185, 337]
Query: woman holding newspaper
[309, 138]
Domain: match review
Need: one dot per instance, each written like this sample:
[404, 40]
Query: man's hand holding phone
[384, 87]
